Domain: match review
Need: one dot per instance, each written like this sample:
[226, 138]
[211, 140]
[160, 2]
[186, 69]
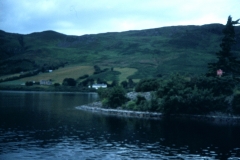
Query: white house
[45, 82]
[96, 86]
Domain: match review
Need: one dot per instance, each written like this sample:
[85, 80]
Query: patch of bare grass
[125, 73]
[57, 76]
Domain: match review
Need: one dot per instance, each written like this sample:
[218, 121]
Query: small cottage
[96, 86]
[45, 82]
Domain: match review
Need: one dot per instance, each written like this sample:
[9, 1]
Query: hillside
[151, 52]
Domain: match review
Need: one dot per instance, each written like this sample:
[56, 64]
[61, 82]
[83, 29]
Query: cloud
[87, 17]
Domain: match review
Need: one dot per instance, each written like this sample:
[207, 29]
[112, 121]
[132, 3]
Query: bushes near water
[146, 85]
[179, 95]
[236, 104]
[112, 97]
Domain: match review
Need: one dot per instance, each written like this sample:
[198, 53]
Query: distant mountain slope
[152, 51]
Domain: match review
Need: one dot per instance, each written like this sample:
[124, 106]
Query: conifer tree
[227, 62]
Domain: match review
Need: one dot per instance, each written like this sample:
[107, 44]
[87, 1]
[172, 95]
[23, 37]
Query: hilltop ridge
[152, 51]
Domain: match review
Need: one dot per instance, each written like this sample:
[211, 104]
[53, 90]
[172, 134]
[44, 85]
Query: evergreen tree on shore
[227, 62]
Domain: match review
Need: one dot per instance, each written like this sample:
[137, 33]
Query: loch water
[46, 125]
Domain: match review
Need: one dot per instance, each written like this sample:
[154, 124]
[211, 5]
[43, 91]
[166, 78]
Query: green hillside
[150, 52]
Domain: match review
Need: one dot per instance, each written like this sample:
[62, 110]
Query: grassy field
[10, 83]
[8, 76]
[57, 76]
[76, 71]
[125, 73]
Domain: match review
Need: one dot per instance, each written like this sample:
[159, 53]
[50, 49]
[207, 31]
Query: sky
[80, 17]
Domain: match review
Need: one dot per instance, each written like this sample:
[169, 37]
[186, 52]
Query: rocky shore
[96, 107]
[218, 119]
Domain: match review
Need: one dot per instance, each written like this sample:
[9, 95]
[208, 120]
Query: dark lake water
[40, 125]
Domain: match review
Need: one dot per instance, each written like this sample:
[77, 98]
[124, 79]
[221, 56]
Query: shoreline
[51, 88]
[47, 90]
[65, 92]
[95, 107]
[120, 112]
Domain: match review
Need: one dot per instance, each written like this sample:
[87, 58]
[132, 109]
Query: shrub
[236, 104]
[147, 85]
[124, 84]
[56, 84]
[97, 69]
[29, 83]
[179, 96]
[105, 103]
[140, 99]
[143, 106]
[219, 85]
[154, 105]
[114, 83]
[86, 82]
[131, 105]
[115, 96]
[69, 82]
[131, 84]
[103, 93]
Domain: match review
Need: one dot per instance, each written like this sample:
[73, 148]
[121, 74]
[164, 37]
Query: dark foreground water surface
[40, 125]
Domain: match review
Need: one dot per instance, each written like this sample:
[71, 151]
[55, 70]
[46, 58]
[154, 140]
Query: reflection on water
[39, 125]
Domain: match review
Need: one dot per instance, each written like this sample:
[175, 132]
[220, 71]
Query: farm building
[45, 82]
[96, 86]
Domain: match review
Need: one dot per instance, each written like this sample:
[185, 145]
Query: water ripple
[22, 145]
[56, 131]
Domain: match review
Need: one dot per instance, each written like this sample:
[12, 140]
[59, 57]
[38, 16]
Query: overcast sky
[78, 17]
